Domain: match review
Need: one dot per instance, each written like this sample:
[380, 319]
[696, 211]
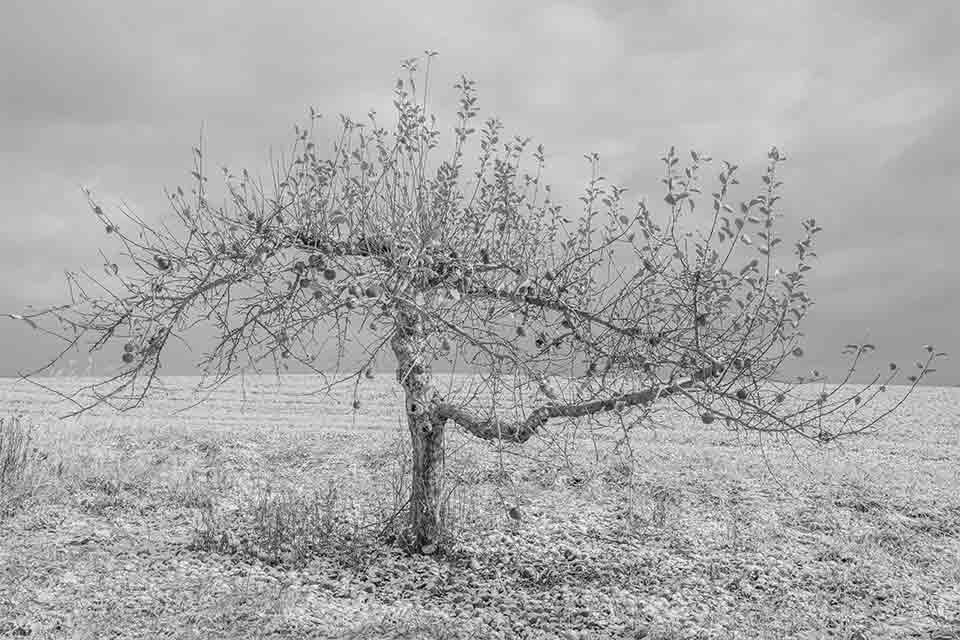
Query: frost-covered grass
[274, 517]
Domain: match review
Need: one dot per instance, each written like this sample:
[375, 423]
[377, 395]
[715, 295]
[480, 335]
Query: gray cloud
[862, 95]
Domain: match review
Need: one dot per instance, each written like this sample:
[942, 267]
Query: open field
[266, 514]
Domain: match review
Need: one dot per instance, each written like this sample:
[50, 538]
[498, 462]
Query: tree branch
[553, 304]
[495, 428]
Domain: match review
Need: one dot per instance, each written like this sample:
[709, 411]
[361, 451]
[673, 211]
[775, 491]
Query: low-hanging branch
[495, 428]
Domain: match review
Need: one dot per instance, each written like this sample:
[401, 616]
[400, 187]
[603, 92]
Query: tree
[378, 248]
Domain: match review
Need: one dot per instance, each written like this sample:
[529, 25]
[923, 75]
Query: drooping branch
[495, 428]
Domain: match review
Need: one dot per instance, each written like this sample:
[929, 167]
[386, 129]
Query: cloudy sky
[862, 96]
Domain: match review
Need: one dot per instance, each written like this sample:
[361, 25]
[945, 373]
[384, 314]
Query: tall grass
[17, 455]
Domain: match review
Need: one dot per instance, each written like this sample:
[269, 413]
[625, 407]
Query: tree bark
[426, 428]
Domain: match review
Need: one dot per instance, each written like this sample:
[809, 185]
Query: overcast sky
[862, 96]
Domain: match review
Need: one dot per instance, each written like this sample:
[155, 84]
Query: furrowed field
[266, 511]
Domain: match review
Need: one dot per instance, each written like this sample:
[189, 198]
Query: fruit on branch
[373, 291]
[356, 404]
[368, 373]
[742, 394]
[707, 417]
[521, 331]
[128, 357]
[129, 347]
[329, 274]
[162, 263]
[352, 303]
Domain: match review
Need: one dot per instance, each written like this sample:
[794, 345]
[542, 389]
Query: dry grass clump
[19, 459]
[284, 526]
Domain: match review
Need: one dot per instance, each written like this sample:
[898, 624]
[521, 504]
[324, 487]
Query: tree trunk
[426, 428]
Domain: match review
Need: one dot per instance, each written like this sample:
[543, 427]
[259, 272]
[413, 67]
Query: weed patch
[19, 462]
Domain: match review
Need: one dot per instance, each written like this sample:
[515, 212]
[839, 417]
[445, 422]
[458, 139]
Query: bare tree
[377, 249]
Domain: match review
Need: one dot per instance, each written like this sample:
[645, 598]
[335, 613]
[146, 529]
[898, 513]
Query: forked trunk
[426, 429]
